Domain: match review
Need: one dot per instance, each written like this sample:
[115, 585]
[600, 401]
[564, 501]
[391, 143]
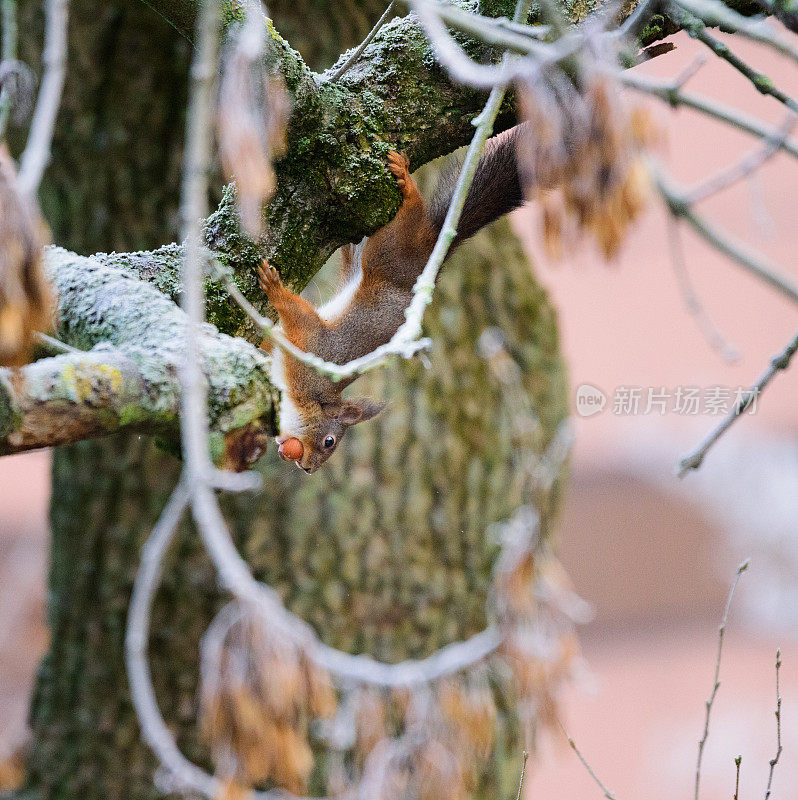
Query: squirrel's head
[319, 427]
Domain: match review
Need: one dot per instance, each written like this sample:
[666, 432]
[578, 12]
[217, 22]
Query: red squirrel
[377, 278]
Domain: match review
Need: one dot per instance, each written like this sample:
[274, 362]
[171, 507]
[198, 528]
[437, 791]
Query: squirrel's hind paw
[269, 278]
[399, 164]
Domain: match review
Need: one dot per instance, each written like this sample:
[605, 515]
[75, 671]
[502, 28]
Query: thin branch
[716, 683]
[434, 16]
[737, 762]
[698, 30]
[521, 779]
[512, 35]
[751, 261]
[742, 169]
[425, 284]
[777, 364]
[670, 92]
[605, 791]
[449, 53]
[346, 66]
[716, 14]
[56, 344]
[36, 155]
[716, 340]
[335, 372]
[775, 759]
[783, 12]
[533, 31]
[153, 727]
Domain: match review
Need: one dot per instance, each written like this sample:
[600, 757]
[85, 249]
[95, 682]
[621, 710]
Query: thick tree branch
[134, 337]
[333, 185]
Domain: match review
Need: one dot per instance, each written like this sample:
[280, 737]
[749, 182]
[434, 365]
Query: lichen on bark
[128, 376]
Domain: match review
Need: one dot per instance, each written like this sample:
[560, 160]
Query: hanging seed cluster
[582, 161]
[538, 611]
[256, 709]
[26, 300]
[251, 116]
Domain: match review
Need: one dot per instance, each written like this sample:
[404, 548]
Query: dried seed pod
[250, 123]
[371, 721]
[319, 691]
[587, 144]
[234, 791]
[294, 760]
[12, 772]
[26, 299]
[438, 773]
[258, 692]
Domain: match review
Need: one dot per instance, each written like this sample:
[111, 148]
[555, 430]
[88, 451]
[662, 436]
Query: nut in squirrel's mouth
[290, 448]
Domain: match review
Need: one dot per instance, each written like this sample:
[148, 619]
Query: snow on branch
[132, 340]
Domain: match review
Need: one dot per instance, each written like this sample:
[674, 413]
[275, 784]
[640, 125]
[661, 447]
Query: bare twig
[716, 683]
[56, 344]
[775, 759]
[698, 30]
[513, 35]
[521, 779]
[36, 155]
[716, 340]
[745, 167]
[777, 364]
[605, 791]
[751, 261]
[690, 71]
[432, 16]
[716, 14]
[782, 10]
[336, 372]
[153, 727]
[670, 92]
[425, 284]
[737, 762]
[349, 63]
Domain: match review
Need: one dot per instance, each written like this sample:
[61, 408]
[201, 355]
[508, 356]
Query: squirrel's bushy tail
[496, 189]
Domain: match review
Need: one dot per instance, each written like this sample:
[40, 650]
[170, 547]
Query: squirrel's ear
[354, 411]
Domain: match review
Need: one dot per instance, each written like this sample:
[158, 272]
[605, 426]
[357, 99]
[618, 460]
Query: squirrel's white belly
[289, 419]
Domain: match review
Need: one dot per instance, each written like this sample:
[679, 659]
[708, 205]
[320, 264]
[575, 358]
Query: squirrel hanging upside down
[377, 278]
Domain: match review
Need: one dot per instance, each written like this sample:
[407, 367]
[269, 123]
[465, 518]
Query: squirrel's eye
[329, 441]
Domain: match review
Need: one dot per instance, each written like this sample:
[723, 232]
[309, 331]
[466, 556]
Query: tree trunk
[113, 183]
[395, 564]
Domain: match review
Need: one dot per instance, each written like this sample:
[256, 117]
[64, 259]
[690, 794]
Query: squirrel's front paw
[269, 279]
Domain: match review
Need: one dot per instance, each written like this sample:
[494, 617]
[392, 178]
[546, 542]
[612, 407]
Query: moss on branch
[132, 342]
[333, 186]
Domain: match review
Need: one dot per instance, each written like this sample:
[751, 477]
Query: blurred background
[654, 555]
